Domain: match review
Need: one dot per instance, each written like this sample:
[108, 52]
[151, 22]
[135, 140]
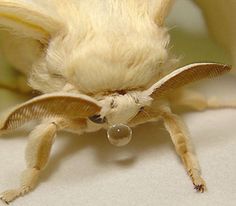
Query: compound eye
[119, 134]
[98, 119]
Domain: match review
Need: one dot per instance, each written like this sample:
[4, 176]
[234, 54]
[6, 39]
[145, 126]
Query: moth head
[117, 110]
[122, 109]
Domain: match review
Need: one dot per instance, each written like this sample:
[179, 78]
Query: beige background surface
[88, 171]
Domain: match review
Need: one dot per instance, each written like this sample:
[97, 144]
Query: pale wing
[25, 28]
[64, 105]
[27, 19]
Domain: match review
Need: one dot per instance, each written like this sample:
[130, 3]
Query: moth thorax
[119, 134]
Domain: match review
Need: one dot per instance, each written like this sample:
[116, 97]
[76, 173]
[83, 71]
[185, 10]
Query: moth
[98, 65]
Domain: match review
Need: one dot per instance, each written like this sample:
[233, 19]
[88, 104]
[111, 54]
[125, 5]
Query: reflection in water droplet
[119, 134]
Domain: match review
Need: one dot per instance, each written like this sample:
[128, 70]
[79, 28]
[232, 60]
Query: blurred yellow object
[220, 16]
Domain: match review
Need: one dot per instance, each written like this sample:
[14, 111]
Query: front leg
[37, 155]
[180, 137]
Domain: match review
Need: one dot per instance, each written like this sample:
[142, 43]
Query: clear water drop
[119, 134]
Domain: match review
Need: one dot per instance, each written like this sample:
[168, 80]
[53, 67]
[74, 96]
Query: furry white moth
[98, 64]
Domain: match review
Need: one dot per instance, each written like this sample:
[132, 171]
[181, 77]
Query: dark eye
[98, 119]
[141, 109]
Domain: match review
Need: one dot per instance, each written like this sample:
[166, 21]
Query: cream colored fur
[97, 60]
[113, 43]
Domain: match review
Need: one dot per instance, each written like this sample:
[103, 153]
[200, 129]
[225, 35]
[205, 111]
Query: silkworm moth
[98, 65]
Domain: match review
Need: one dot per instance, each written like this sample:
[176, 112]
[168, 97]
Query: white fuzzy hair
[101, 46]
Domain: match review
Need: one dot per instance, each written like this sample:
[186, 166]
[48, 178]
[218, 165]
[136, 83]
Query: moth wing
[185, 75]
[27, 19]
[54, 105]
[20, 53]
[25, 29]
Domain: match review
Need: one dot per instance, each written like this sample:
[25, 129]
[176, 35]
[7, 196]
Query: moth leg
[180, 137]
[37, 155]
[197, 101]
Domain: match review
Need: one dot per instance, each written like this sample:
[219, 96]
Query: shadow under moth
[97, 65]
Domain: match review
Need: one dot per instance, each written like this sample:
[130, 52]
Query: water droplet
[119, 134]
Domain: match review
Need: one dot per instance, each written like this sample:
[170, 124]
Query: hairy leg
[37, 155]
[180, 137]
[197, 101]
